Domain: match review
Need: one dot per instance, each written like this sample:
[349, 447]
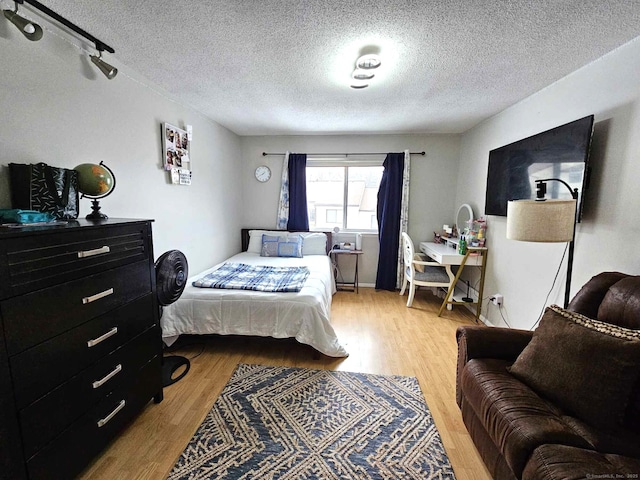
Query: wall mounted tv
[562, 152]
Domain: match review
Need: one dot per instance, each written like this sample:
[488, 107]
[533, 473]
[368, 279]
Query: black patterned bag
[44, 188]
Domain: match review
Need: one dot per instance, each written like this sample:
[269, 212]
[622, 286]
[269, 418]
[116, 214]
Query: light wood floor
[380, 333]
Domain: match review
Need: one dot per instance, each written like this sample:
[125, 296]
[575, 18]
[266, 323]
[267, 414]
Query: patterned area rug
[297, 423]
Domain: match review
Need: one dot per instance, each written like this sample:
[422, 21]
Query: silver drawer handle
[102, 422]
[102, 338]
[109, 376]
[95, 251]
[97, 296]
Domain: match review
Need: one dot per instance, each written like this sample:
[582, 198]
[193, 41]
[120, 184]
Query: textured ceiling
[263, 67]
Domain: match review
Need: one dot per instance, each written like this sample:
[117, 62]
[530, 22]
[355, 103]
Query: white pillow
[314, 243]
[255, 238]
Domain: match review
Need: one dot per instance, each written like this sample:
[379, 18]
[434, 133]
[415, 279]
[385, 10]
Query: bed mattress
[303, 315]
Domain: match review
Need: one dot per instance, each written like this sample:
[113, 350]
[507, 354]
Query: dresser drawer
[47, 417]
[69, 453]
[36, 262]
[35, 317]
[80, 341]
[11, 462]
[47, 365]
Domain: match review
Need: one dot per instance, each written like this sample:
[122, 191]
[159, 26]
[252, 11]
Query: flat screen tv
[562, 152]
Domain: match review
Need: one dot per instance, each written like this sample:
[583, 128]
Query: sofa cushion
[588, 368]
[515, 417]
[562, 462]
[620, 442]
[609, 328]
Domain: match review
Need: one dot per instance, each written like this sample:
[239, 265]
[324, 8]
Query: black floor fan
[172, 272]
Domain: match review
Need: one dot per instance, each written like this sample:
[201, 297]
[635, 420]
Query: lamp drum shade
[541, 221]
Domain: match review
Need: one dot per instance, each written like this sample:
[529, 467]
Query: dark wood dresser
[81, 348]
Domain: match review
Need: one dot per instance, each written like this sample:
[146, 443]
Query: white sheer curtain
[404, 213]
[283, 204]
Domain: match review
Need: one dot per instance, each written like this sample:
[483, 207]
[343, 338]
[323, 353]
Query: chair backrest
[611, 297]
[614, 297]
[407, 250]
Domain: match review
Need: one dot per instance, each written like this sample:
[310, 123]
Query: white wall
[433, 180]
[56, 107]
[606, 239]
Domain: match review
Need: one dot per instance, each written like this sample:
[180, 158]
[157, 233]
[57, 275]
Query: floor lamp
[543, 220]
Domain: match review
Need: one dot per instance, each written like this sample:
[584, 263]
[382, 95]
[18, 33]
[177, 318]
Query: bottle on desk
[462, 246]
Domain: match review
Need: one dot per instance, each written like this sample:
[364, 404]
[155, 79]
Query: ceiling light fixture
[368, 62]
[365, 64]
[31, 30]
[361, 74]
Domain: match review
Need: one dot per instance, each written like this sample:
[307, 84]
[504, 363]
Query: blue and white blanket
[240, 276]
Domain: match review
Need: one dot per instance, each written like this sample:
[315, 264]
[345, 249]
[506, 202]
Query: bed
[304, 315]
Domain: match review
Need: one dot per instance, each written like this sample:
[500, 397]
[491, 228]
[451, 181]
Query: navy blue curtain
[388, 212]
[298, 216]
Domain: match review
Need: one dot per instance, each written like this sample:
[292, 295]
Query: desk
[334, 252]
[447, 254]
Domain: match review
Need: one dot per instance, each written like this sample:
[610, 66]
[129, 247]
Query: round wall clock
[263, 173]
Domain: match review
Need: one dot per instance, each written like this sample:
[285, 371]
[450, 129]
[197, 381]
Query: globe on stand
[95, 182]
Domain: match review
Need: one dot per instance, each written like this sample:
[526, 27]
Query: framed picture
[176, 154]
[181, 176]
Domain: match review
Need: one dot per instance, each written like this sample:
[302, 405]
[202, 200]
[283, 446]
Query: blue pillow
[269, 246]
[273, 246]
[291, 247]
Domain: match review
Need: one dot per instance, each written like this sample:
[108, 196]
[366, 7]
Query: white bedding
[303, 315]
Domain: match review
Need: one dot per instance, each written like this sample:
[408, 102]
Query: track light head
[109, 71]
[31, 30]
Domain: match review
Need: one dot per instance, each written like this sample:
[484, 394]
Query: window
[343, 196]
[333, 214]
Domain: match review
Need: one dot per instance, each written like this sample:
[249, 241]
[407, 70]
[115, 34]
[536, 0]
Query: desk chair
[433, 274]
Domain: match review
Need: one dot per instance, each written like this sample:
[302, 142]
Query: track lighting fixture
[34, 32]
[31, 30]
[109, 71]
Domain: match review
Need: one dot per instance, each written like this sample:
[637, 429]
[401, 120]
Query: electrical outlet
[497, 299]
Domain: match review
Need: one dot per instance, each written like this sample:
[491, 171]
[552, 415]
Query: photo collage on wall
[176, 154]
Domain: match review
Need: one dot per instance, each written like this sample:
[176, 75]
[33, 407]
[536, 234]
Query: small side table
[334, 253]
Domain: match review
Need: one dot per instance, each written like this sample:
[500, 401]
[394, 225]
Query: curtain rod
[264, 154]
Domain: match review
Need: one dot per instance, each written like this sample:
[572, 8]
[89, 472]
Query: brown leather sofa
[522, 433]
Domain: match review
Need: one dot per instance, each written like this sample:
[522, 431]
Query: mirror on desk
[464, 214]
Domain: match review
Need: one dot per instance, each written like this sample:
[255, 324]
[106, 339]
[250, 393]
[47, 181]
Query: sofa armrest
[477, 341]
